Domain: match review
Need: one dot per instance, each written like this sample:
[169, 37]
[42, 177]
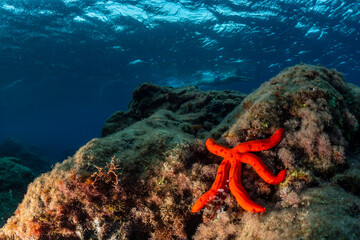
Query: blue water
[66, 65]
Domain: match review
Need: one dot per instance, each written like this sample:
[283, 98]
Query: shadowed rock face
[28, 156]
[19, 165]
[14, 179]
[196, 111]
[141, 178]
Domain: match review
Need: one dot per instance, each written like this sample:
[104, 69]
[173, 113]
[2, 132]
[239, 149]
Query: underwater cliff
[141, 178]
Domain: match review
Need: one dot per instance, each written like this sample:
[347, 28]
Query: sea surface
[67, 65]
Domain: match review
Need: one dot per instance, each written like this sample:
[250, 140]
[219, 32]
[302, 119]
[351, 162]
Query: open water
[67, 65]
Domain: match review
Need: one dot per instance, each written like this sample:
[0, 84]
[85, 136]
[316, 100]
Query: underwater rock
[133, 183]
[319, 198]
[28, 155]
[140, 180]
[197, 111]
[352, 97]
[14, 179]
[313, 105]
[13, 175]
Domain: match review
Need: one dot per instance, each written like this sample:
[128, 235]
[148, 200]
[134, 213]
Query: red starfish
[230, 168]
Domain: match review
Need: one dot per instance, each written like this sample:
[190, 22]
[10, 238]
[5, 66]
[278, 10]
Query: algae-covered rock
[326, 211]
[197, 111]
[135, 183]
[140, 180]
[310, 103]
[318, 199]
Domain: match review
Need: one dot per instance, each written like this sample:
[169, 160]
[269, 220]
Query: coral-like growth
[107, 174]
[75, 207]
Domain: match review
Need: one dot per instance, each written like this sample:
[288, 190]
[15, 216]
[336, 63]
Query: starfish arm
[238, 190]
[261, 169]
[217, 149]
[219, 183]
[261, 145]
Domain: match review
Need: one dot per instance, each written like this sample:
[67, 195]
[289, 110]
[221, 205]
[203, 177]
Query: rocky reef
[141, 178]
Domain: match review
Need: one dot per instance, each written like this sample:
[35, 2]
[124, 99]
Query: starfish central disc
[229, 171]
